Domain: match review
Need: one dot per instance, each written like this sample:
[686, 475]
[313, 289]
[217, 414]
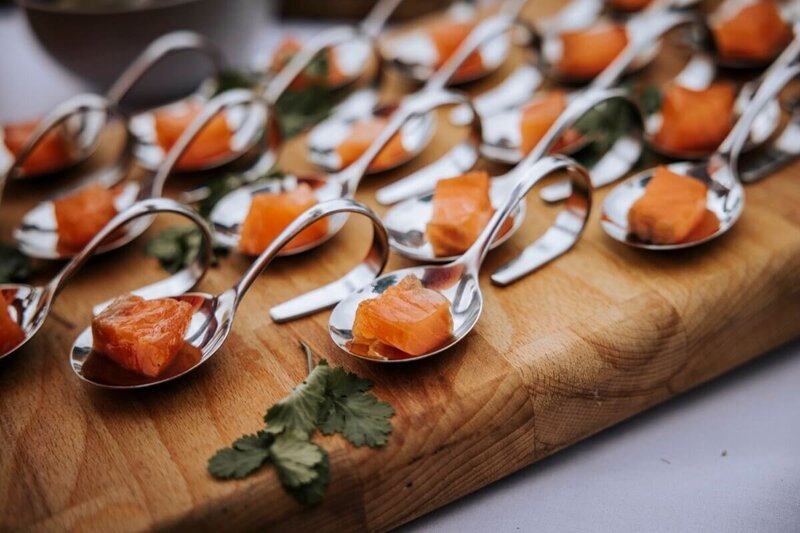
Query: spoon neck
[376, 19]
[486, 30]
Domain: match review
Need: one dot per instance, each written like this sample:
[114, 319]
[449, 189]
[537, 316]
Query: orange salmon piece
[211, 144]
[407, 316]
[461, 209]
[708, 225]
[11, 333]
[539, 115]
[291, 46]
[757, 32]
[143, 336]
[585, 53]
[81, 215]
[362, 134]
[270, 214]
[696, 120]
[51, 154]
[670, 209]
[447, 35]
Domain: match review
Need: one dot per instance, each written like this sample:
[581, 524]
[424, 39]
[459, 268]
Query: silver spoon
[78, 120]
[230, 212]
[241, 122]
[502, 140]
[720, 172]
[214, 315]
[29, 305]
[407, 221]
[458, 280]
[324, 139]
[698, 74]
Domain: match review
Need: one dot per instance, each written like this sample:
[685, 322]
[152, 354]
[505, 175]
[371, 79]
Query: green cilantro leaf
[177, 247]
[15, 267]
[312, 492]
[298, 412]
[296, 459]
[235, 79]
[298, 110]
[350, 410]
[651, 99]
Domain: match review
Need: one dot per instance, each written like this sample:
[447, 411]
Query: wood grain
[598, 336]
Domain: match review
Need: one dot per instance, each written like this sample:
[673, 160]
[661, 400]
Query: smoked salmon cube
[461, 209]
[270, 214]
[81, 215]
[407, 316]
[670, 209]
[539, 115]
[11, 334]
[750, 30]
[143, 336]
[51, 154]
[447, 35]
[211, 144]
[696, 120]
[585, 53]
[362, 135]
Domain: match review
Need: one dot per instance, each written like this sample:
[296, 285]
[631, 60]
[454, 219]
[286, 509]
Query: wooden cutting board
[600, 335]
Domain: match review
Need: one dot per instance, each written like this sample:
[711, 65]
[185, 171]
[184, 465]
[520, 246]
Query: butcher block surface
[601, 334]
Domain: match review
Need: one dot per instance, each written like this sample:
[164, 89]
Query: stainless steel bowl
[96, 39]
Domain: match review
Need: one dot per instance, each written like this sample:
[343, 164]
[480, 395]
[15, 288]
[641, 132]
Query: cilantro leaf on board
[298, 110]
[295, 459]
[235, 79]
[298, 412]
[352, 411]
[312, 492]
[177, 247]
[651, 99]
[247, 454]
[15, 267]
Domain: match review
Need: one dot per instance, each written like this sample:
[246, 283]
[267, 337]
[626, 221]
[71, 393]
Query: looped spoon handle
[643, 30]
[366, 271]
[78, 105]
[557, 240]
[411, 106]
[215, 106]
[177, 283]
[156, 52]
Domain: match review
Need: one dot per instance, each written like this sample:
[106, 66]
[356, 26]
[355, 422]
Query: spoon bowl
[213, 316]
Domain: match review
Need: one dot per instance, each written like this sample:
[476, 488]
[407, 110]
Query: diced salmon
[670, 209]
[362, 135]
[288, 48]
[141, 335]
[11, 334]
[755, 32]
[708, 225]
[461, 209]
[270, 214]
[696, 121]
[81, 215]
[447, 35]
[630, 5]
[211, 144]
[51, 154]
[585, 53]
[407, 316]
[539, 115]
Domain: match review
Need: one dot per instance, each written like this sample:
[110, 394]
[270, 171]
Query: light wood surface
[598, 336]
